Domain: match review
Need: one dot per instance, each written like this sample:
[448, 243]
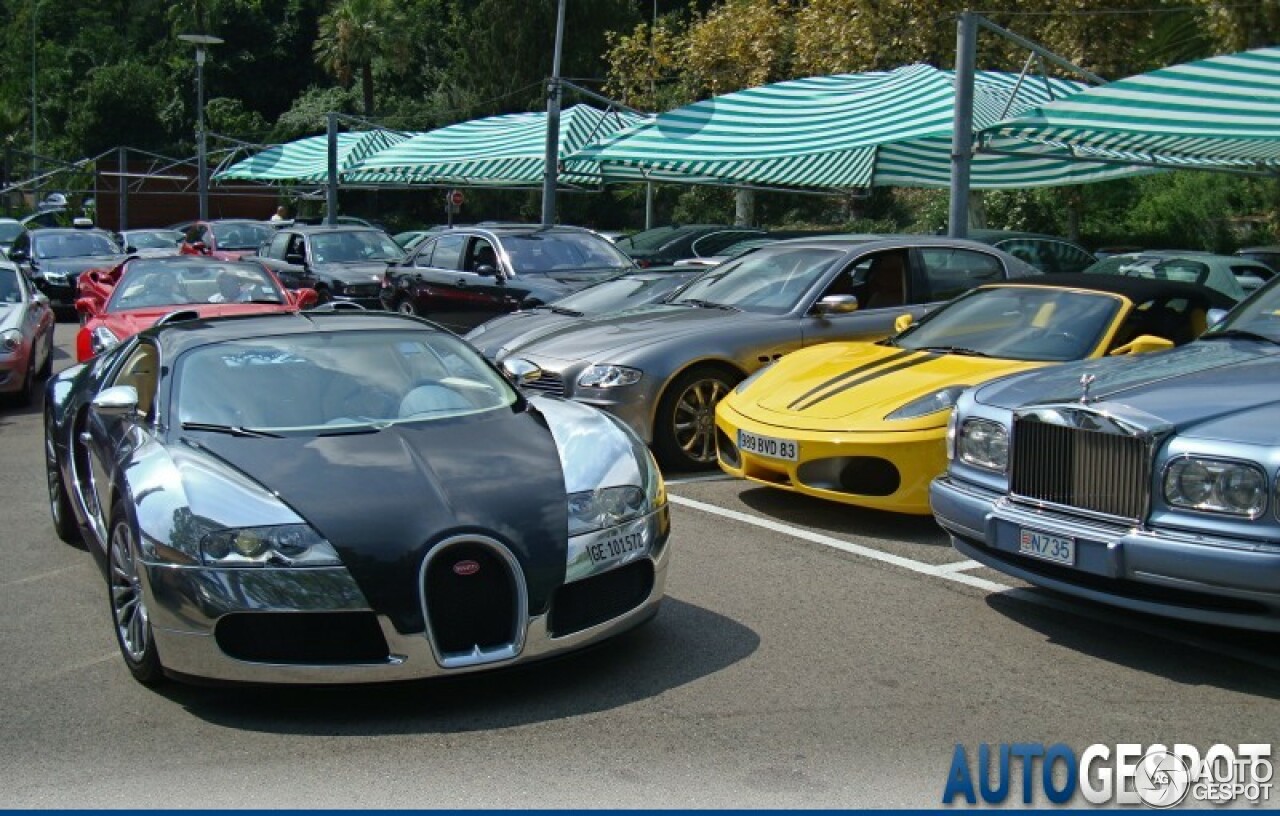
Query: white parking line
[954, 572]
[41, 576]
[705, 477]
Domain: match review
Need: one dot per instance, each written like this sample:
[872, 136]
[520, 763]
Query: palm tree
[352, 34]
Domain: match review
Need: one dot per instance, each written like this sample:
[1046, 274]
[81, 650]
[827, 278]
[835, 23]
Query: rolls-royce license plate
[1058, 549]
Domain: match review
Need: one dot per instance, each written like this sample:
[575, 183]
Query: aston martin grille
[547, 383]
[1106, 473]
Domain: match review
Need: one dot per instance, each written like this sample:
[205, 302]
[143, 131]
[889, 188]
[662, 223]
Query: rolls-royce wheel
[684, 432]
[64, 519]
[128, 602]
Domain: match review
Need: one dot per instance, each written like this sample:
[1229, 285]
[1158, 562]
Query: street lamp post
[200, 41]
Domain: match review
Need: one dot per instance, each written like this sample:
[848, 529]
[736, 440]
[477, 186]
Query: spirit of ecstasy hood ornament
[1086, 380]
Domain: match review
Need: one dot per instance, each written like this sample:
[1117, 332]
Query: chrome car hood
[1215, 389]
[515, 330]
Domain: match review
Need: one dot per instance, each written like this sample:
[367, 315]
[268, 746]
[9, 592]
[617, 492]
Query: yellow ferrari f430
[864, 423]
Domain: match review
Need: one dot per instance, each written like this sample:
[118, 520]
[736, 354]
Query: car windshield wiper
[960, 350]
[1239, 333]
[233, 430]
[707, 304]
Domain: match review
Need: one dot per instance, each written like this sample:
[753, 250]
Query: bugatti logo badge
[467, 567]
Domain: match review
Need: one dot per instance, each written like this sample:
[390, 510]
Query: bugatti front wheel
[64, 519]
[128, 601]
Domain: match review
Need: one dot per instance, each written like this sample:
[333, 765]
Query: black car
[55, 257]
[468, 275]
[661, 246]
[1048, 253]
[341, 262]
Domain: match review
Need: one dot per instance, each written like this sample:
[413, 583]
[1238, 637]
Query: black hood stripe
[875, 375]
[851, 373]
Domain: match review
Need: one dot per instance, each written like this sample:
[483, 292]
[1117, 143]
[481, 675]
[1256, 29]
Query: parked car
[410, 239]
[467, 275]
[228, 239]
[26, 335]
[342, 263]
[141, 291]
[1269, 255]
[663, 246]
[151, 242]
[864, 423]
[1232, 276]
[627, 291]
[10, 229]
[661, 369]
[54, 257]
[345, 497]
[1149, 483]
[1048, 253]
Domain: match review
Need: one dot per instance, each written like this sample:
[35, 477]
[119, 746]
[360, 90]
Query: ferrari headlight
[1216, 485]
[609, 376]
[941, 400]
[103, 339]
[10, 340]
[605, 507]
[285, 545]
[983, 443]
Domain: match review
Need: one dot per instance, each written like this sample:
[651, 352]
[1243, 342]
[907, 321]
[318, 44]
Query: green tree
[353, 33]
[117, 99]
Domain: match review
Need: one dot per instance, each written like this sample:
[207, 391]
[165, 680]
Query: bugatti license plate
[768, 446]
[1058, 549]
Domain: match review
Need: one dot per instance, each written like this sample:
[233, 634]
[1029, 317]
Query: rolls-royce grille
[547, 383]
[470, 599]
[1091, 470]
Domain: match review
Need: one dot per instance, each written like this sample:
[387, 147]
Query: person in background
[282, 214]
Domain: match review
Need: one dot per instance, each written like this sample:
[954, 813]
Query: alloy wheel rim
[127, 604]
[695, 419]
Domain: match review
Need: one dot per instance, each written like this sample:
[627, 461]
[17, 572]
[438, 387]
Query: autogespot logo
[1126, 774]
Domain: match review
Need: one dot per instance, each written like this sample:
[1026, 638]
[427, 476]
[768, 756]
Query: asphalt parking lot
[808, 655]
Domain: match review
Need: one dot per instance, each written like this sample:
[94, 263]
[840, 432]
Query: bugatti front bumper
[314, 625]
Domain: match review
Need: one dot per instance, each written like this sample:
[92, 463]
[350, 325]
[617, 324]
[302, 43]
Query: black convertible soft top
[1138, 290]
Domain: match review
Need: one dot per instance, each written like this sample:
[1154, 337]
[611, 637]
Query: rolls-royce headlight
[10, 340]
[609, 376]
[284, 545]
[1216, 486]
[941, 400]
[983, 443]
[605, 507]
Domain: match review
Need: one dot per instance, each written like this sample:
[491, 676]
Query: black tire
[64, 517]
[684, 429]
[128, 603]
[47, 368]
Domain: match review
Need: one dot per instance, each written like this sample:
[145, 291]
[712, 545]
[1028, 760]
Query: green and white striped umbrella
[835, 132]
[306, 161]
[1223, 111]
[508, 150]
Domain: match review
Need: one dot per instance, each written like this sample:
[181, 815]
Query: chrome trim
[579, 565]
[478, 656]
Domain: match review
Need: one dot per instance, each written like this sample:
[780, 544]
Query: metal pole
[202, 169]
[552, 156]
[331, 185]
[962, 125]
[648, 205]
[123, 181]
[35, 154]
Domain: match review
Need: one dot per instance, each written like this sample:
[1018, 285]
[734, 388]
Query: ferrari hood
[596, 338]
[1222, 389]
[853, 386]
[383, 498]
[131, 321]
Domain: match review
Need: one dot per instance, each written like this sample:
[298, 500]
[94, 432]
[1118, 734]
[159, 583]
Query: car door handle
[461, 283]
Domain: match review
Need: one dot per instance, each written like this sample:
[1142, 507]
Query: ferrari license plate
[1058, 549]
[768, 446]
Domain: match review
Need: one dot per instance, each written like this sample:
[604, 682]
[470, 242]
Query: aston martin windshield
[1017, 323]
[766, 281]
[333, 382]
[146, 284]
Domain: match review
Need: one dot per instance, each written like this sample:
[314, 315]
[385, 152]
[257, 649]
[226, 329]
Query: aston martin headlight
[285, 545]
[1216, 486]
[103, 339]
[609, 376]
[941, 400]
[10, 340]
[983, 443]
[605, 507]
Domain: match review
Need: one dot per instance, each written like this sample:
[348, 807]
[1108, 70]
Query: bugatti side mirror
[118, 400]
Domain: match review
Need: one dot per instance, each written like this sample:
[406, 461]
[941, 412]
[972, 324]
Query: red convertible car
[118, 303]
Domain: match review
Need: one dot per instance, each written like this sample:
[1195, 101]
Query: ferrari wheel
[128, 602]
[684, 435]
[64, 519]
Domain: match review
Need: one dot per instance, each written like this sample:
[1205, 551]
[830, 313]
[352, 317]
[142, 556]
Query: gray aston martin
[661, 369]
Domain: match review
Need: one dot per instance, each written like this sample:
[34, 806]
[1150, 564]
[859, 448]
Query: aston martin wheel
[406, 307]
[684, 434]
[64, 520]
[128, 602]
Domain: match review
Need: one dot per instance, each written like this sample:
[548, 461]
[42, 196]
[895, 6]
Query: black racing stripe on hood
[382, 499]
[851, 378]
[853, 372]
[875, 375]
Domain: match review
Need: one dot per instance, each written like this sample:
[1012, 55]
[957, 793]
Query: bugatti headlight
[103, 339]
[10, 340]
[609, 376]
[1216, 486]
[941, 400]
[284, 545]
[983, 443]
[606, 507]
